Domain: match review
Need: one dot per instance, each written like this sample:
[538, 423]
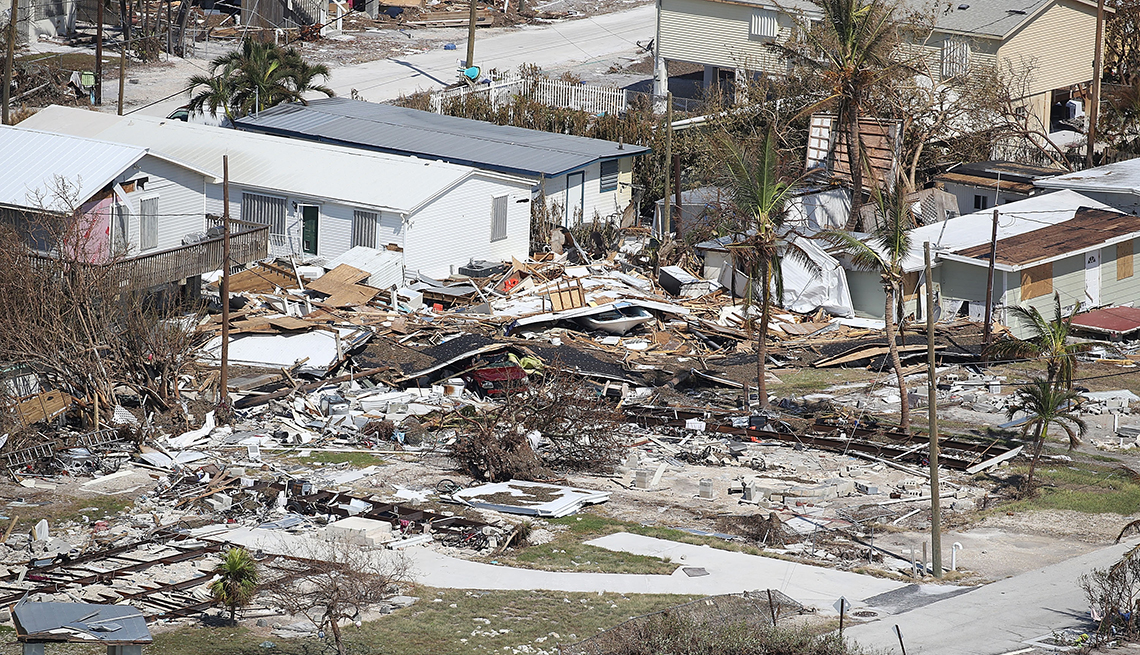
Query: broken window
[498, 218]
[266, 210]
[363, 229]
[955, 57]
[981, 202]
[763, 25]
[1037, 281]
[1124, 260]
[148, 223]
[609, 177]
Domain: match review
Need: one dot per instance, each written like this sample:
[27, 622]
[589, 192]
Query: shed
[1116, 185]
[122, 628]
[986, 184]
[584, 176]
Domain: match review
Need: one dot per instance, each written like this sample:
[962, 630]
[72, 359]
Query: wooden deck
[249, 242]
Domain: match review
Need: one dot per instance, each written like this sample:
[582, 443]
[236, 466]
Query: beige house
[1054, 39]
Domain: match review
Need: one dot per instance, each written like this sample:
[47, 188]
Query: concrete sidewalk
[728, 572]
[1001, 617]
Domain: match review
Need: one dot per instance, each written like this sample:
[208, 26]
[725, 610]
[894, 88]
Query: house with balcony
[112, 204]
[321, 200]
[1052, 40]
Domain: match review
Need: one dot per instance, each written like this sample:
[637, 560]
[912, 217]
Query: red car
[495, 379]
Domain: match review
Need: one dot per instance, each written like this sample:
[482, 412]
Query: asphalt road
[1007, 616]
[558, 45]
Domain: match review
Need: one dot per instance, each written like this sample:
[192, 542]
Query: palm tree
[851, 51]
[255, 77]
[1048, 340]
[237, 583]
[884, 252]
[758, 195]
[1047, 406]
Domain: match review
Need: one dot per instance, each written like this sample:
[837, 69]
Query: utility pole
[990, 291]
[677, 192]
[932, 403]
[10, 60]
[471, 35]
[668, 207]
[99, 52]
[224, 378]
[1094, 106]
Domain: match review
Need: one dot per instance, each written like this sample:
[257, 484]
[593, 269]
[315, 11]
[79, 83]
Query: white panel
[182, 209]
[456, 227]
[1092, 278]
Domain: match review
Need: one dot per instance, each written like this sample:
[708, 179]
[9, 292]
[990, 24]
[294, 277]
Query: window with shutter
[363, 229]
[955, 57]
[1036, 281]
[1124, 260]
[120, 230]
[763, 25]
[148, 223]
[498, 218]
[609, 178]
[266, 210]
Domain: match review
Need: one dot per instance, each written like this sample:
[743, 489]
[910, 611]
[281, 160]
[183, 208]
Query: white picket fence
[593, 99]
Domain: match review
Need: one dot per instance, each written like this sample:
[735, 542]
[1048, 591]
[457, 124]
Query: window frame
[500, 208]
[359, 218]
[143, 247]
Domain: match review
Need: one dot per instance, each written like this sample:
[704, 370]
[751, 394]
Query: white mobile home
[321, 200]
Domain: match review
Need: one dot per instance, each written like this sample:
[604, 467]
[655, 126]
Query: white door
[1092, 278]
[575, 197]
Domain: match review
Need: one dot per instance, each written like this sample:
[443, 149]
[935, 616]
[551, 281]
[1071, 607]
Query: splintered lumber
[43, 407]
[253, 401]
[262, 278]
[866, 352]
[451, 18]
[342, 284]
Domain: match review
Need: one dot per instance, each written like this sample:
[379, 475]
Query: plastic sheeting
[808, 288]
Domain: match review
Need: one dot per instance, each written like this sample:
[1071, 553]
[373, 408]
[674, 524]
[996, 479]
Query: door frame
[1093, 280]
[581, 185]
[316, 227]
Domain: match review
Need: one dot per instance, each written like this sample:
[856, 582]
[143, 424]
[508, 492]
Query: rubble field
[508, 417]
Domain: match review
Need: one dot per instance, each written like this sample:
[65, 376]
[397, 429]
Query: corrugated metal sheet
[347, 175]
[80, 622]
[33, 161]
[388, 128]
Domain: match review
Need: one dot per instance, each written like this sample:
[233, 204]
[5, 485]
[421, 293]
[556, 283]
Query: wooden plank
[43, 407]
[857, 354]
[340, 277]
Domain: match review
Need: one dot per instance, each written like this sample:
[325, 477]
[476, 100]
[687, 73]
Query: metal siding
[867, 297]
[181, 205]
[723, 36]
[1068, 281]
[962, 281]
[456, 227]
[390, 230]
[335, 229]
[1112, 290]
[1058, 43]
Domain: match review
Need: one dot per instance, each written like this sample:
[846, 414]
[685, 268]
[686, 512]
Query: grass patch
[68, 61]
[70, 510]
[1087, 488]
[445, 621]
[814, 380]
[355, 459]
[567, 552]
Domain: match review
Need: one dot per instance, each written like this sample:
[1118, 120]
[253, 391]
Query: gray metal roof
[388, 128]
[80, 622]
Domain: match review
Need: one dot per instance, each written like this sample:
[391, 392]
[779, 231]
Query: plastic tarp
[808, 287]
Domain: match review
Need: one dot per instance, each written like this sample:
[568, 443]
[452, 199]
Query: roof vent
[963, 7]
[1016, 11]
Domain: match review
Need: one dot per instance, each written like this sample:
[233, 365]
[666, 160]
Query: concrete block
[641, 479]
[360, 531]
[866, 488]
[706, 489]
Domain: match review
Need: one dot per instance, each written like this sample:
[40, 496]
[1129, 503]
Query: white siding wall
[595, 201]
[181, 204]
[456, 227]
[717, 34]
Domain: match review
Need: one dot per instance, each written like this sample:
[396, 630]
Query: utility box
[706, 489]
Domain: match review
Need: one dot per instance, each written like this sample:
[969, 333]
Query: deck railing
[556, 93]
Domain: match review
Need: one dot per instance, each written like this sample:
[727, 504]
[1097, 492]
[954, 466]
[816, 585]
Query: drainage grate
[865, 614]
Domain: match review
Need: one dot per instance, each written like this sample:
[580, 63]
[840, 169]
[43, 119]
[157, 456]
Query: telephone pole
[99, 52]
[988, 329]
[1098, 56]
[932, 404]
[10, 61]
[471, 35]
[668, 205]
[224, 378]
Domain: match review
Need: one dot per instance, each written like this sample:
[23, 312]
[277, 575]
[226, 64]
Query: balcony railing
[249, 242]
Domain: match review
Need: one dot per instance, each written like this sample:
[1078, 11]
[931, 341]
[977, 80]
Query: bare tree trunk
[855, 163]
[893, 346]
[762, 333]
[1040, 439]
[334, 625]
